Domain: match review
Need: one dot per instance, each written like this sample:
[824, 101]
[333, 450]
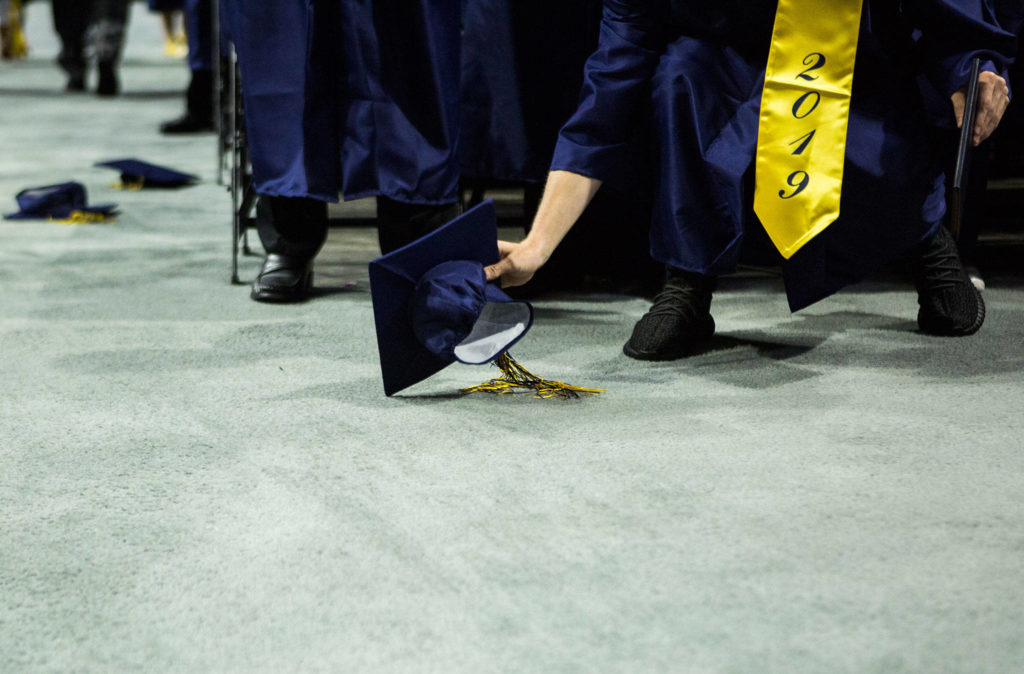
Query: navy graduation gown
[199, 31]
[522, 68]
[695, 71]
[166, 5]
[352, 96]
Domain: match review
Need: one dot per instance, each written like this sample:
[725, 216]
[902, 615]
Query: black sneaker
[680, 321]
[950, 304]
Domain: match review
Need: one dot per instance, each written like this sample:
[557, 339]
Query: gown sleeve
[955, 32]
[595, 141]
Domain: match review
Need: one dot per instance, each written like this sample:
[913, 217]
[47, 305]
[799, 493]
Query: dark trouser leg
[109, 21]
[292, 226]
[110, 18]
[399, 223]
[71, 19]
[199, 111]
[199, 97]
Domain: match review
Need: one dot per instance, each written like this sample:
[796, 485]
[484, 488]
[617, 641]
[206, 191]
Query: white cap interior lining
[500, 324]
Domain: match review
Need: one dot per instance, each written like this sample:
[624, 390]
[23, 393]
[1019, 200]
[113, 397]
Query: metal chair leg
[236, 221]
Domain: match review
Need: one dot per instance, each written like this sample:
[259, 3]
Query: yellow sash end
[805, 111]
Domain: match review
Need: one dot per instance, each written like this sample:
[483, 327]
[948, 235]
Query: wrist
[537, 246]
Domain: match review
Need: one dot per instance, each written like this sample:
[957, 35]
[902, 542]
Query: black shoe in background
[108, 84]
[73, 63]
[292, 230]
[678, 323]
[198, 117]
[950, 305]
[76, 83]
[187, 124]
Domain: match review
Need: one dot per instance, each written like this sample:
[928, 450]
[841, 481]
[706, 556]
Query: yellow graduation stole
[805, 108]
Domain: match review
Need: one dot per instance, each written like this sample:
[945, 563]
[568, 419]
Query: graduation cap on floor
[64, 201]
[137, 174]
[433, 307]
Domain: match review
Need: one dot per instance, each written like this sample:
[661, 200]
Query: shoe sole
[681, 351]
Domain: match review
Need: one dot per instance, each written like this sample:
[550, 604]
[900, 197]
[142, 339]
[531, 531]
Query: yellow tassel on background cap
[130, 185]
[83, 218]
[516, 380]
[14, 44]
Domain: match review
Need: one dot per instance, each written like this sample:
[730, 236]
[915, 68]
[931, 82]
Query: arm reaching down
[566, 196]
[596, 141]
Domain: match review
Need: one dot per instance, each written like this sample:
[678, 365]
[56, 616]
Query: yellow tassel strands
[516, 380]
[83, 218]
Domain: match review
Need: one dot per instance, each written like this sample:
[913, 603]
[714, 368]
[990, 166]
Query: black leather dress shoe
[187, 123]
[283, 279]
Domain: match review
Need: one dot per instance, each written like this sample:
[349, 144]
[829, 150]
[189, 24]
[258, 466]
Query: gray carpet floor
[191, 482]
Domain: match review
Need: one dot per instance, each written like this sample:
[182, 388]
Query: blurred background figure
[172, 18]
[12, 35]
[198, 116]
[98, 25]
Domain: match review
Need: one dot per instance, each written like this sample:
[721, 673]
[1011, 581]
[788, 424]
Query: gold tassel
[14, 45]
[517, 380]
[130, 185]
[83, 218]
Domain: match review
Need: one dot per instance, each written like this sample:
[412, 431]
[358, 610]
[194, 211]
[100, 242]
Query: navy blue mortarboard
[64, 201]
[433, 306]
[137, 174]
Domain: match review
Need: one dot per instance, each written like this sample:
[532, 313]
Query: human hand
[993, 99]
[519, 262]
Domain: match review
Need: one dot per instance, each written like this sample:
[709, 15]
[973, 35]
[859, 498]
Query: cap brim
[403, 360]
[153, 175]
[21, 215]
[102, 209]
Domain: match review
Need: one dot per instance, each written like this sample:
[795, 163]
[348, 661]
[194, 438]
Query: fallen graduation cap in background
[433, 306]
[137, 174]
[65, 202]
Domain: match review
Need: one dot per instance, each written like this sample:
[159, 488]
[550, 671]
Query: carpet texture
[191, 481]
